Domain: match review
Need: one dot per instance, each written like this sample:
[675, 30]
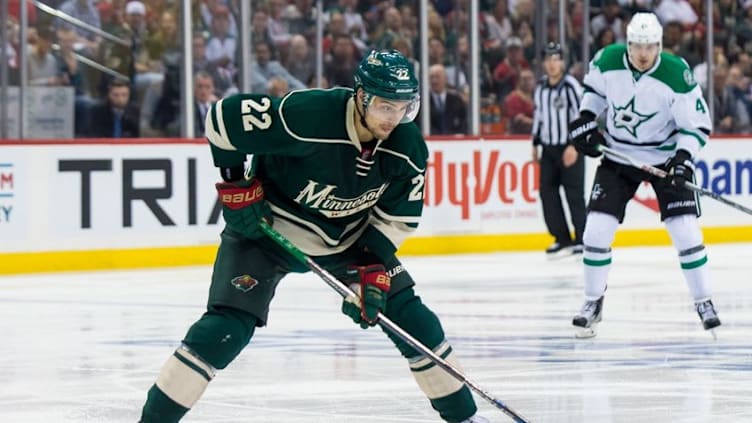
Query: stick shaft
[387, 323]
[662, 174]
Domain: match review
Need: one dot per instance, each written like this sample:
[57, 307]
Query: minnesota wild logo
[628, 118]
[244, 283]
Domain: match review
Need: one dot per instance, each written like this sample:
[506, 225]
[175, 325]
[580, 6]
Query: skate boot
[707, 314]
[588, 318]
[559, 250]
[476, 419]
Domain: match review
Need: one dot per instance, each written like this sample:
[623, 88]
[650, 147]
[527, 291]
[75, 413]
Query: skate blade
[561, 255]
[585, 333]
[712, 332]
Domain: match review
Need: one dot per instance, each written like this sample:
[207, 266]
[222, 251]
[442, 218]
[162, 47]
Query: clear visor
[394, 110]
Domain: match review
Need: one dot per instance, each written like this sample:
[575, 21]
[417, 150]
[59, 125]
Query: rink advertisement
[84, 196]
[105, 203]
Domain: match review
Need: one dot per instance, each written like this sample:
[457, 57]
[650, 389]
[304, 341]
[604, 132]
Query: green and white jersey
[326, 190]
[649, 115]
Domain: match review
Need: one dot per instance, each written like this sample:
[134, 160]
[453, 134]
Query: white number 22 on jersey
[416, 193]
[249, 108]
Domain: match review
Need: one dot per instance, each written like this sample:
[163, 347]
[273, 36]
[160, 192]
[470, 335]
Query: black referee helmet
[553, 48]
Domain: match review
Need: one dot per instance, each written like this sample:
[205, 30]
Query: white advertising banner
[91, 196]
[475, 187]
[74, 196]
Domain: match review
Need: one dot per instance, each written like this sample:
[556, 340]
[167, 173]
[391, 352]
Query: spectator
[164, 40]
[115, 117]
[167, 114]
[334, 28]
[14, 9]
[85, 11]
[341, 65]
[129, 60]
[260, 28]
[301, 60]
[263, 69]
[208, 10]
[672, 37]
[498, 25]
[71, 74]
[353, 19]
[300, 15]
[610, 18]
[448, 109]
[436, 27]
[43, 69]
[203, 92]
[278, 28]
[730, 105]
[676, 10]
[604, 38]
[223, 80]
[392, 28]
[456, 79]
[506, 73]
[518, 105]
[221, 47]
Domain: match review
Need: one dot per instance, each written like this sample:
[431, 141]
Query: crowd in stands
[144, 98]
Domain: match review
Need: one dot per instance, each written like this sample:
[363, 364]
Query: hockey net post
[662, 174]
[389, 325]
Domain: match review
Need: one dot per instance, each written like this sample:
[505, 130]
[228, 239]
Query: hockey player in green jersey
[341, 174]
[656, 114]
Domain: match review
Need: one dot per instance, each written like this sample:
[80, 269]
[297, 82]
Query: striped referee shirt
[555, 107]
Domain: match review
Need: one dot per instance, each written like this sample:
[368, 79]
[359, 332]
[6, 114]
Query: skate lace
[705, 309]
[589, 308]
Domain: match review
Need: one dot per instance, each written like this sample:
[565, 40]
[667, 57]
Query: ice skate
[587, 319]
[558, 250]
[476, 419]
[708, 316]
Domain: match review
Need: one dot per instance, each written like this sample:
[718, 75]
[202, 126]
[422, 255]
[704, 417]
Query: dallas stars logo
[628, 118]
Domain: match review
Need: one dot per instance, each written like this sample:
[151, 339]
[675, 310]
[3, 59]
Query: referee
[557, 102]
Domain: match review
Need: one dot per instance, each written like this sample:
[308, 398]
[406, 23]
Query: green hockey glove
[372, 283]
[243, 206]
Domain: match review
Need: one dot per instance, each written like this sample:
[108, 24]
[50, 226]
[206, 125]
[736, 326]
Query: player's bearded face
[643, 56]
[382, 116]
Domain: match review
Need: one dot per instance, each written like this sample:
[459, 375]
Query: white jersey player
[654, 113]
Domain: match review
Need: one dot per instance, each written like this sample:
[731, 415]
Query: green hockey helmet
[388, 74]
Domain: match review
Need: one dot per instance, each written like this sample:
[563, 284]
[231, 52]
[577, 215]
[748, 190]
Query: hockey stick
[387, 324]
[662, 174]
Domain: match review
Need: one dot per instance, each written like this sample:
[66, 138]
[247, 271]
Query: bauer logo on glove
[236, 198]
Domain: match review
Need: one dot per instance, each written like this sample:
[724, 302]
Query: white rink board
[81, 196]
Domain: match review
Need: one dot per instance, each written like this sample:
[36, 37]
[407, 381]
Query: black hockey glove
[371, 283]
[680, 169]
[243, 206]
[585, 136]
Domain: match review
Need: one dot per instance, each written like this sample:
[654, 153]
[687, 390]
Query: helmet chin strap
[362, 115]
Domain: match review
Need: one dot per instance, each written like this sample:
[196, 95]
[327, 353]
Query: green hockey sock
[159, 408]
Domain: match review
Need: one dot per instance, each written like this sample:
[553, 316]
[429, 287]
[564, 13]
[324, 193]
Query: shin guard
[450, 397]
[210, 344]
